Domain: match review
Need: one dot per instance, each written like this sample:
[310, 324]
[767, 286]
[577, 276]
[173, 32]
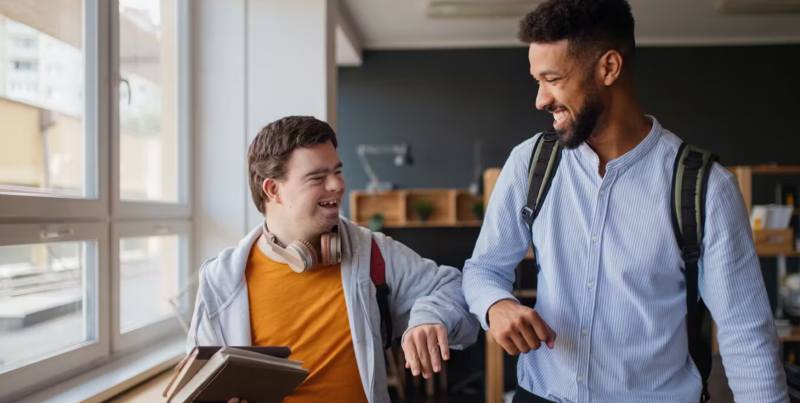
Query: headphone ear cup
[305, 252]
[335, 248]
[324, 244]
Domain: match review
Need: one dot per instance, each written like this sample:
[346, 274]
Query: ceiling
[403, 24]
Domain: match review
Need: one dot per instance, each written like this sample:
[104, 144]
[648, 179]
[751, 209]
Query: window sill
[115, 376]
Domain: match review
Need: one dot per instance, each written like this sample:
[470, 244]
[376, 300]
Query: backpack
[377, 272]
[688, 201]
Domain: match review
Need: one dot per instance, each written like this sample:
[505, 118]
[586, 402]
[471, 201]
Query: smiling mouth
[329, 204]
[560, 115]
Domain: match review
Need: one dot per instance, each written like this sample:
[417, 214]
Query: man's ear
[610, 66]
[270, 188]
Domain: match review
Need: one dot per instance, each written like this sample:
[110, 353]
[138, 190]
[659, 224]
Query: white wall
[221, 196]
[255, 61]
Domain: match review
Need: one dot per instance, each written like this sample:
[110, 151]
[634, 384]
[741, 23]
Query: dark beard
[584, 123]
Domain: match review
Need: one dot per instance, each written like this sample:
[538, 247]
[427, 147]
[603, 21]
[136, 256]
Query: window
[26, 43]
[51, 304]
[95, 225]
[44, 308]
[149, 273]
[150, 140]
[25, 66]
[48, 140]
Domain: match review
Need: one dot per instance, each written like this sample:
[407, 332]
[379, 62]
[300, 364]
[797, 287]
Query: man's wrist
[514, 301]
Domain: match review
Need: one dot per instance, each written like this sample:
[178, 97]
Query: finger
[410, 351]
[505, 342]
[234, 400]
[424, 359]
[529, 335]
[520, 343]
[444, 346]
[543, 330]
[433, 352]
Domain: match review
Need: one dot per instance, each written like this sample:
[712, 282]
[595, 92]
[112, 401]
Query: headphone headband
[301, 255]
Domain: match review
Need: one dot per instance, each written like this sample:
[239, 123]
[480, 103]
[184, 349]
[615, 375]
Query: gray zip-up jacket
[420, 293]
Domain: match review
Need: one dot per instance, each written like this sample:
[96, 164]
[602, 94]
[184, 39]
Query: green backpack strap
[541, 170]
[689, 187]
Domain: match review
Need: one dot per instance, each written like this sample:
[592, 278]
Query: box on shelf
[772, 241]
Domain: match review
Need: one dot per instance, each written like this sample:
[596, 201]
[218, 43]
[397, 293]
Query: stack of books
[255, 374]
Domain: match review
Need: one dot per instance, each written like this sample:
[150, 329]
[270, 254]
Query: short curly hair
[591, 27]
[269, 153]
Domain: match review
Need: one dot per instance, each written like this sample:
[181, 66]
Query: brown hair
[270, 151]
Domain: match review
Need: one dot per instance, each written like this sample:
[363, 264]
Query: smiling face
[308, 199]
[568, 90]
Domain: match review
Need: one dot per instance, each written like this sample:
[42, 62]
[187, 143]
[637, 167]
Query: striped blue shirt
[610, 282]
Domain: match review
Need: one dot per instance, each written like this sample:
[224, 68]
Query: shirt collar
[631, 156]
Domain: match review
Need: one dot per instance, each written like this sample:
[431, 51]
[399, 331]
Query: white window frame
[167, 326]
[95, 119]
[146, 209]
[103, 217]
[64, 363]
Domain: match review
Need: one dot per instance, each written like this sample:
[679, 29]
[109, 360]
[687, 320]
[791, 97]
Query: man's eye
[317, 178]
[551, 80]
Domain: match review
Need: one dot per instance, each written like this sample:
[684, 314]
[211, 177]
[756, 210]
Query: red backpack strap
[377, 271]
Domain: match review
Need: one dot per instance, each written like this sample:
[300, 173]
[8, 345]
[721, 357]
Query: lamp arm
[367, 167]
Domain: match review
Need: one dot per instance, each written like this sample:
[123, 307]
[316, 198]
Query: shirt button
[603, 192]
[584, 332]
[590, 284]
[580, 378]
[594, 239]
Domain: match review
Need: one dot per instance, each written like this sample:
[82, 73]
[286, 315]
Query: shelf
[524, 293]
[451, 208]
[428, 224]
[794, 337]
[776, 169]
[789, 254]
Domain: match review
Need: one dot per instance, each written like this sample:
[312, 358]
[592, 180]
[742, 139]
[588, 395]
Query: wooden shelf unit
[794, 337]
[452, 208]
[744, 175]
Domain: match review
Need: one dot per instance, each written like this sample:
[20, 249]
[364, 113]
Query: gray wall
[740, 102]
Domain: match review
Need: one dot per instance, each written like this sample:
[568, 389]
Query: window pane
[45, 304]
[42, 98]
[150, 276]
[148, 135]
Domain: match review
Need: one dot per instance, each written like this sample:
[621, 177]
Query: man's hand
[518, 328]
[422, 347]
[236, 400]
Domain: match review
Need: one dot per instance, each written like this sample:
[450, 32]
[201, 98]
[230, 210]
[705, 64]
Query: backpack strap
[542, 168]
[377, 271]
[688, 202]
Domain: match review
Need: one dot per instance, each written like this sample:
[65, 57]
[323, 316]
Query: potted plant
[477, 209]
[376, 222]
[424, 209]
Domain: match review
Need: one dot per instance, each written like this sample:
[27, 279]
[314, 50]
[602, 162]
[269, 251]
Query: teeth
[328, 203]
[560, 115]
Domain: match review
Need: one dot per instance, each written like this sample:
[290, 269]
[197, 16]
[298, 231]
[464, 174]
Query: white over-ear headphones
[301, 255]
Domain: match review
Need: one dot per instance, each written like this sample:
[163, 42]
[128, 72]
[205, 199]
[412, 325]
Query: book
[772, 216]
[248, 375]
[190, 365]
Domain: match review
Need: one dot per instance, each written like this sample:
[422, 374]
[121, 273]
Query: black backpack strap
[541, 170]
[377, 271]
[688, 202]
